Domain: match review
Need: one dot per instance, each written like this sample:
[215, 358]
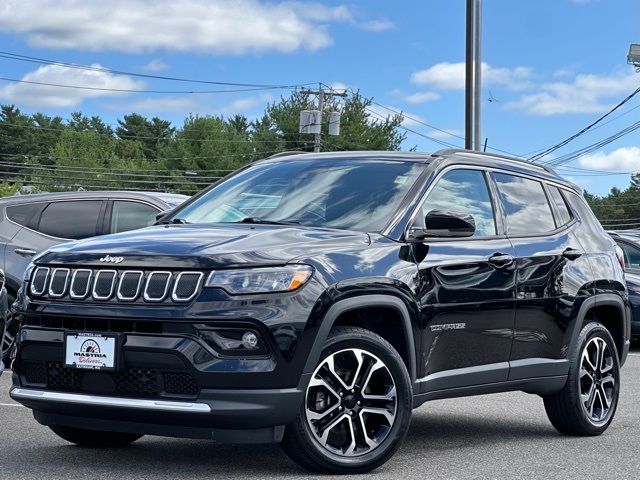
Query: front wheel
[587, 403]
[357, 406]
[94, 438]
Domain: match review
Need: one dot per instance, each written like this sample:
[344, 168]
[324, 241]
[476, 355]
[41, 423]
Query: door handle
[571, 253]
[25, 251]
[501, 259]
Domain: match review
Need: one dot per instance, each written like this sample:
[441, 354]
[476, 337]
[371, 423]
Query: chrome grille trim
[175, 297]
[35, 292]
[166, 286]
[124, 298]
[72, 293]
[95, 283]
[61, 294]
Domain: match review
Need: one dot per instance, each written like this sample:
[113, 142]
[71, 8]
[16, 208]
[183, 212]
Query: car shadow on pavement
[155, 457]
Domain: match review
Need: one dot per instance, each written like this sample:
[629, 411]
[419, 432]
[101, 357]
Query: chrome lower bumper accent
[80, 399]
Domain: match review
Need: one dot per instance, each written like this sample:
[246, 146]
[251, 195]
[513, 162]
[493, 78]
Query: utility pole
[312, 122]
[473, 76]
[318, 137]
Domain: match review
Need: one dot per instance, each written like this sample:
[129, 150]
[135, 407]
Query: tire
[379, 372]
[569, 411]
[94, 438]
[8, 335]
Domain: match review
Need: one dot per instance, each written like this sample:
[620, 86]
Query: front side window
[526, 205]
[631, 255]
[127, 215]
[73, 220]
[353, 194]
[464, 192]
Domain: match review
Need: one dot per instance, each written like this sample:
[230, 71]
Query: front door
[467, 288]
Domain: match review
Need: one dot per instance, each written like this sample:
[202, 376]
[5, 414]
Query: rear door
[51, 224]
[551, 271]
[467, 288]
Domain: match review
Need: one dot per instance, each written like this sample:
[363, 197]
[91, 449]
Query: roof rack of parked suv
[453, 151]
[285, 153]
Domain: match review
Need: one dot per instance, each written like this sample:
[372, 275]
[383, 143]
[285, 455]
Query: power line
[561, 144]
[129, 90]
[27, 58]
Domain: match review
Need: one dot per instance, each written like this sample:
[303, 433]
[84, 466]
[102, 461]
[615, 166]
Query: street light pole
[468, 99]
[477, 80]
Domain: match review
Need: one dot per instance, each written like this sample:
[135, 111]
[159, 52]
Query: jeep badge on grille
[110, 259]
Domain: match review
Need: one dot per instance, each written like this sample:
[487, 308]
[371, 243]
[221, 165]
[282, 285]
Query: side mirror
[163, 213]
[438, 223]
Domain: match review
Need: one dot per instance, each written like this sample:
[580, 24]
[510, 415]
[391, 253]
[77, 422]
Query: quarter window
[464, 192]
[72, 220]
[131, 215]
[526, 205]
[564, 216]
[23, 214]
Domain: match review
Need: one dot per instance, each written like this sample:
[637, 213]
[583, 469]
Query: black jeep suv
[315, 299]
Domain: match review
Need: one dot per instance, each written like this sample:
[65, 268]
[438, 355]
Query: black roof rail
[453, 151]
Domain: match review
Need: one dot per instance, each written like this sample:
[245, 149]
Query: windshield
[354, 194]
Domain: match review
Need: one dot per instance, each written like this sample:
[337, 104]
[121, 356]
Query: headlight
[260, 280]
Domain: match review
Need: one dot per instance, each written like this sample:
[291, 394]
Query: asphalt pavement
[493, 436]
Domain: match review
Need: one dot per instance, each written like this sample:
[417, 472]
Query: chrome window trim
[95, 282]
[44, 287]
[140, 278]
[175, 298]
[66, 282]
[72, 294]
[166, 286]
[99, 401]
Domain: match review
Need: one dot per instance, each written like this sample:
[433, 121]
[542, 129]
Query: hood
[205, 246]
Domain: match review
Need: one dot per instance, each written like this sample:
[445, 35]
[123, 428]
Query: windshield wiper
[260, 221]
[173, 221]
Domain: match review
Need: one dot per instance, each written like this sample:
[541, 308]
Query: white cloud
[451, 76]
[377, 25]
[218, 27]
[422, 97]
[50, 96]
[587, 93]
[156, 65]
[624, 159]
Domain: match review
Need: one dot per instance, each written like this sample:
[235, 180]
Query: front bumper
[226, 416]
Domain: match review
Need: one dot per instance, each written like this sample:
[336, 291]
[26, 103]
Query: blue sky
[552, 66]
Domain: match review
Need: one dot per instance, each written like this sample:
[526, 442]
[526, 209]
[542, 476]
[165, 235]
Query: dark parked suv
[315, 299]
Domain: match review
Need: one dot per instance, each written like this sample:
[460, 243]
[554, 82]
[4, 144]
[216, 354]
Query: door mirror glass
[440, 223]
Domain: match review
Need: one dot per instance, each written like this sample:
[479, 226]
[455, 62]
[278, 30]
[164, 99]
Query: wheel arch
[611, 311]
[337, 312]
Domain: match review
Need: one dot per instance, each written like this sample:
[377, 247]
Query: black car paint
[632, 277]
[467, 325]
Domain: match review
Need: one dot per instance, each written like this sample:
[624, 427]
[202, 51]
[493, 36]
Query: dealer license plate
[90, 350]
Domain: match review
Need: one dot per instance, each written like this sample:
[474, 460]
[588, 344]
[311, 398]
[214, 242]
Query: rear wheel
[357, 406]
[94, 438]
[587, 403]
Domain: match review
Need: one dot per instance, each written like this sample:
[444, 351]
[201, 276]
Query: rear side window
[562, 210]
[526, 205]
[74, 220]
[23, 214]
[131, 215]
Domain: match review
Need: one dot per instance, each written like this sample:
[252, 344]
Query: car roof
[628, 234]
[168, 199]
[511, 163]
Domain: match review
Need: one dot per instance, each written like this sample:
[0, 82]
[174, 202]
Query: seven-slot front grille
[122, 285]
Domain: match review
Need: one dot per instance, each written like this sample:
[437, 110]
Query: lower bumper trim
[94, 400]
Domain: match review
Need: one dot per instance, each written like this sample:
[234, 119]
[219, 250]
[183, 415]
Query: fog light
[250, 341]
